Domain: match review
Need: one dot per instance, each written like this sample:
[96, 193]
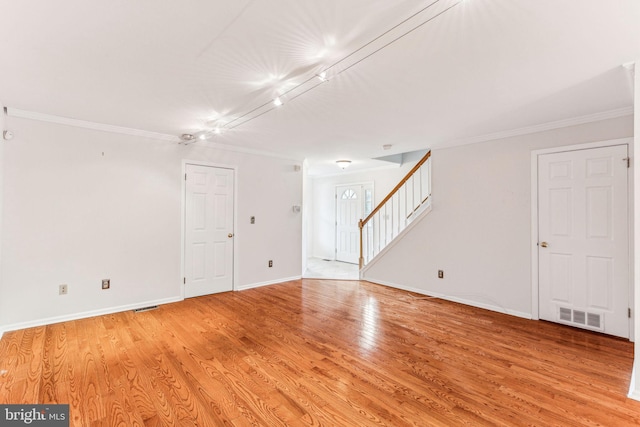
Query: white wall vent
[565, 314]
[580, 318]
[593, 320]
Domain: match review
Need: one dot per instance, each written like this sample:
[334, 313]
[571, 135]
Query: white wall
[268, 188]
[479, 231]
[322, 226]
[83, 205]
[2, 142]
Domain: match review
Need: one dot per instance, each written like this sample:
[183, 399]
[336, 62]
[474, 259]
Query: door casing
[535, 308]
[183, 220]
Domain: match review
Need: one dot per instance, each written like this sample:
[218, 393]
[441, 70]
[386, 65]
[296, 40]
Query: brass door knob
[544, 244]
[230, 235]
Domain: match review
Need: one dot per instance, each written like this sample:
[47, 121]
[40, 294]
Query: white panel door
[349, 206]
[583, 244]
[208, 230]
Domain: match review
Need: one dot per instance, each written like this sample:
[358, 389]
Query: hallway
[318, 268]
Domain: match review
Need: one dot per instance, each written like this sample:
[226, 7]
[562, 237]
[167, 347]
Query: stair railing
[391, 216]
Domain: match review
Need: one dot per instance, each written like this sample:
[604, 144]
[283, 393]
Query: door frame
[183, 218]
[535, 307]
[335, 208]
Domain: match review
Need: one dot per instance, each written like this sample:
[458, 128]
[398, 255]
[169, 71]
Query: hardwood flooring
[320, 352]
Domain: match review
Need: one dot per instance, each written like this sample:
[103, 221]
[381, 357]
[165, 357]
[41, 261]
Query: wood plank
[320, 352]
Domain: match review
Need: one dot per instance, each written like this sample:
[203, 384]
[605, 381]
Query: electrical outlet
[106, 283]
[63, 289]
[440, 274]
[270, 263]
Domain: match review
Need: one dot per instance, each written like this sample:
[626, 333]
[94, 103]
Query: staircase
[405, 203]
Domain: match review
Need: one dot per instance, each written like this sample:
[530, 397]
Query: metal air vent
[580, 318]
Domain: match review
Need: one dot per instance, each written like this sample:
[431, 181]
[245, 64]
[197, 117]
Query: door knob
[544, 244]
[230, 235]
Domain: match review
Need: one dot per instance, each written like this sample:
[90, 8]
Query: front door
[208, 254]
[348, 213]
[353, 202]
[583, 242]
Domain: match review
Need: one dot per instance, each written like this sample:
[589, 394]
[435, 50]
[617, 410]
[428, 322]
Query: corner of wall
[307, 217]
[634, 387]
[2, 128]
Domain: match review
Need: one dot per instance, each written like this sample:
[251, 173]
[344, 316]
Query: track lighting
[292, 90]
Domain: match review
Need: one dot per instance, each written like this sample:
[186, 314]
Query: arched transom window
[349, 194]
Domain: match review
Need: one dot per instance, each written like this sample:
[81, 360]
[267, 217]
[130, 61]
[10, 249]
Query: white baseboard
[270, 282]
[454, 298]
[634, 393]
[84, 315]
[111, 310]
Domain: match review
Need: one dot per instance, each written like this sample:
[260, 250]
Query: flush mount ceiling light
[277, 102]
[322, 76]
[343, 164]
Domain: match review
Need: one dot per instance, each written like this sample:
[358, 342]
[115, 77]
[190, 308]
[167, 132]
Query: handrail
[395, 190]
[400, 185]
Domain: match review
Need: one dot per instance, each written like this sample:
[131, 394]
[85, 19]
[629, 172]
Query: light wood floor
[320, 352]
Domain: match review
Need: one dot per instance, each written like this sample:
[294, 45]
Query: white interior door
[349, 205]
[583, 245]
[208, 230]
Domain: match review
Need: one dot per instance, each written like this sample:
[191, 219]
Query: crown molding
[611, 114]
[15, 112]
[580, 120]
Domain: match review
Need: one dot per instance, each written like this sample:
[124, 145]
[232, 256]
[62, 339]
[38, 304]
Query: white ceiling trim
[15, 112]
[589, 118]
[611, 114]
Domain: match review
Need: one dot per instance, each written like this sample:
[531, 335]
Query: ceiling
[413, 74]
